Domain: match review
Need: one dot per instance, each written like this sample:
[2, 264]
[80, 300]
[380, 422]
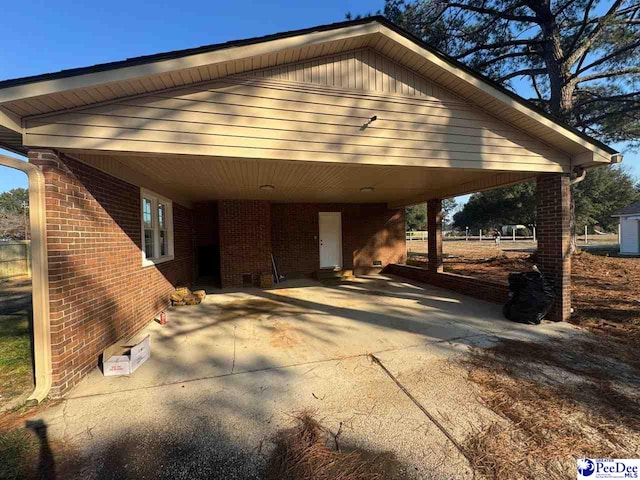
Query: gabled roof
[41, 94]
[633, 209]
[145, 59]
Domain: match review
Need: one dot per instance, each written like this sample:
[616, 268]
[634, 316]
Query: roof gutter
[39, 277]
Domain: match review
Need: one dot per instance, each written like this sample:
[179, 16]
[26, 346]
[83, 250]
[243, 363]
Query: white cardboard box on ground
[128, 358]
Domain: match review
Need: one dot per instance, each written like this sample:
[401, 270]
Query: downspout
[39, 277]
[578, 175]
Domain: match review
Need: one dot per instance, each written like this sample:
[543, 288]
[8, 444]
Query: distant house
[629, 231]
[508, 229]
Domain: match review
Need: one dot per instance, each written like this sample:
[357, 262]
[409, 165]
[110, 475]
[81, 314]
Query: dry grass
[308, 451]
[606, 295]
[605, 290]
[566, 399]
[569, 398]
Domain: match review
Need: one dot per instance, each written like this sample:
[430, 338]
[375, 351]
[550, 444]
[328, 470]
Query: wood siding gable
[317, 110]
[363, 69]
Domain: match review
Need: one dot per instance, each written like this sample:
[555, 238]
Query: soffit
[196, 178]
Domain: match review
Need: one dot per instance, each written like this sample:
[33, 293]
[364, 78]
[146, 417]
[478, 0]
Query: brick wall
[473, 287]
[99, 291]
[245, 240]
[369, 232]
[553, 197]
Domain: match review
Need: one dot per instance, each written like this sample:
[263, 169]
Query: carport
[308, 322]
[226, 375]
[303, 147]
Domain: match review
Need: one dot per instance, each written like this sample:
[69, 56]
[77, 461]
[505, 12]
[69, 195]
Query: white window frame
[155, 200]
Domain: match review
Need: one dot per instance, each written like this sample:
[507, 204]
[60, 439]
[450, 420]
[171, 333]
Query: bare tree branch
[608, 74]
[583, 27]
[596, 119]
[534, 82]
[495, 13]
[593, 35]
[558, 45]
[523, 73]
[499, 58]
[613, 54]
[564, 7]
[491, 46]
[609, 98]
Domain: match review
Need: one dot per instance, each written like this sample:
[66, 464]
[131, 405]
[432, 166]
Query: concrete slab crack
[64, 421]
[233, 363]
[433, 420]
[338, 360]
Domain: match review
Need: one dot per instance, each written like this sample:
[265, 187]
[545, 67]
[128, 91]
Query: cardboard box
[125, 359]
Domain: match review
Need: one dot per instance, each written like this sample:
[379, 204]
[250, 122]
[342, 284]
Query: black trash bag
[531, 296]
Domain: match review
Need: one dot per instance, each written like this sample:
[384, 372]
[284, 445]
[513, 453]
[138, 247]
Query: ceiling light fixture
[366, 189]
[268, 188]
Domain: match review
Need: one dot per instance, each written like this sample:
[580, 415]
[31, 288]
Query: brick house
[201, 164]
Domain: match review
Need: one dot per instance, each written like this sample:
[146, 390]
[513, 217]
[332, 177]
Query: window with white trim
[157, 228]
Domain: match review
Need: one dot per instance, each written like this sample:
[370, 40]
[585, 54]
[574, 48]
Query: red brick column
[434, 232]
[554, 237]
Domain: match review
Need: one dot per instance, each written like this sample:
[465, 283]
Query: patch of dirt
[25, 449]
[496, 268]
[489, 263]
[283, 335]
[575, 397]
[256, 307]
[309, 451]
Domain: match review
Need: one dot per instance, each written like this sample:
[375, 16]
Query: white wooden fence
[420, 235]
[417, 235]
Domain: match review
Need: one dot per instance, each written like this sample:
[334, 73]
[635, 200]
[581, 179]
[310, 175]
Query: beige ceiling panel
[209, 178]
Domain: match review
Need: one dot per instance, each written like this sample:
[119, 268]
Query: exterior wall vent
[247, 280]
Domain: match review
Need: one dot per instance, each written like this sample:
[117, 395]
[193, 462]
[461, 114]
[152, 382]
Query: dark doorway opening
[207, 243]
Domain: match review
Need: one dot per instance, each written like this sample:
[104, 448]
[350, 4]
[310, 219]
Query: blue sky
[67, 34]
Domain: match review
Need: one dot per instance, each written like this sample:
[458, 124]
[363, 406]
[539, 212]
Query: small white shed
[629, 231]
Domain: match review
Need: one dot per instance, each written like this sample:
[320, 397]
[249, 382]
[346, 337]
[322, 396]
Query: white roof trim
[190, 61]
[495, 93]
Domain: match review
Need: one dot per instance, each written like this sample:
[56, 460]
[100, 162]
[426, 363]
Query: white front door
[330, 239]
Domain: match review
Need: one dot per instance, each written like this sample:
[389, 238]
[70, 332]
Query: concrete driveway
[226, 375]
